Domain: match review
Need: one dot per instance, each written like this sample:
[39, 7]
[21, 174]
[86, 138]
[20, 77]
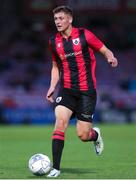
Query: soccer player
[73, 65]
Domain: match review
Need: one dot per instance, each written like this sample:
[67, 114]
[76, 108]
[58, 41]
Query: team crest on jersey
[76, 41]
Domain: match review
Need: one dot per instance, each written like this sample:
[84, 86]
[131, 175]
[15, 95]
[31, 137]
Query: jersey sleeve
[52, 54]
[93, 41]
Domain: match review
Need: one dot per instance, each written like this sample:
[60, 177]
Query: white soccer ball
[39, 164]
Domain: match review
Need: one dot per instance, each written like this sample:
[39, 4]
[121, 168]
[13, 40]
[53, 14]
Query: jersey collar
[73, 31]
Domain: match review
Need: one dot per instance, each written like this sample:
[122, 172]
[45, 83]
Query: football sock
[93, 135]
[57, 148]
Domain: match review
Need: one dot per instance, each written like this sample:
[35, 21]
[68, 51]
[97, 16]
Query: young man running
[73, 66]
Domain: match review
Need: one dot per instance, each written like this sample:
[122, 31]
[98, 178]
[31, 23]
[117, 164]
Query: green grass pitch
[18, 143]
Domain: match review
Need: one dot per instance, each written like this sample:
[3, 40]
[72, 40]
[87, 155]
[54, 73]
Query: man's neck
[67, 32]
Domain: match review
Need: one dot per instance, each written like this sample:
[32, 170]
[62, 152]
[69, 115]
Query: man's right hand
[49, 95]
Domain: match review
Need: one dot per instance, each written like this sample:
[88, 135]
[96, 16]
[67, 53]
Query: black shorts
[82, 103]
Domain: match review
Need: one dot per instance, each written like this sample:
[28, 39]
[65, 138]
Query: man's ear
[70, 20]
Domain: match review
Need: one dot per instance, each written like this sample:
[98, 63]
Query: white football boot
[98, 144]
[53, 173]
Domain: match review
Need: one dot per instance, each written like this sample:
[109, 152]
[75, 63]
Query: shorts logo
[58, 99]
[86, 115]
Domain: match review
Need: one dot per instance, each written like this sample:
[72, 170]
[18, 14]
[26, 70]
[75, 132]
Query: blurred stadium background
[25, 61]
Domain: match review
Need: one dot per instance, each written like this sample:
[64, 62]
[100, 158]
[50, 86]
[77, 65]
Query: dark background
[25, 62]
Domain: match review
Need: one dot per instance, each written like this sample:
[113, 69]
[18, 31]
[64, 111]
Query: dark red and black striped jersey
[75, 58]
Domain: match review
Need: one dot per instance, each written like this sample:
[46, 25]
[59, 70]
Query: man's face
[62, 21]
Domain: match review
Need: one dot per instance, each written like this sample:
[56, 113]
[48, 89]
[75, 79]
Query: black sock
[57, 148]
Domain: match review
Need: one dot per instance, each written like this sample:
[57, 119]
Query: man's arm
[54, 82]
[109, 56]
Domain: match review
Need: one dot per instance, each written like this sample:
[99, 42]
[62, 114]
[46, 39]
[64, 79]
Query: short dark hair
[64, 9]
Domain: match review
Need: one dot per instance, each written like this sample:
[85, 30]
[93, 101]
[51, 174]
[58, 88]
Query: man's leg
[63, 115]
[86, 133]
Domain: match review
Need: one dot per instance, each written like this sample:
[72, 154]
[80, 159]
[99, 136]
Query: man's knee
[63, 115]
[60, 124]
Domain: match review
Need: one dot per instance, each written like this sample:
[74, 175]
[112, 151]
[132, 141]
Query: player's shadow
[36, 177]
[68, 171]
[77, 170]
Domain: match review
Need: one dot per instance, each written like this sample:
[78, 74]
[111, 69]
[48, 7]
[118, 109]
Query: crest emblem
[76, 41]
